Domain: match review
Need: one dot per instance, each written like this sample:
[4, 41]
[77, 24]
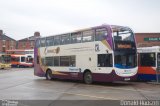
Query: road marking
[91, 96]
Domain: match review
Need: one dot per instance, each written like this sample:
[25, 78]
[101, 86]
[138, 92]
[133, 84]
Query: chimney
[1, 32]
[37, 34]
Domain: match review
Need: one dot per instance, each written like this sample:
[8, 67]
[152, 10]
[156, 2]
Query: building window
[24, 44]
[32, 43]
[4, 42]
[3, 49]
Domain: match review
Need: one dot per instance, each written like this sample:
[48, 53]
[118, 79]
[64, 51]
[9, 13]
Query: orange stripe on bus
[146, 70]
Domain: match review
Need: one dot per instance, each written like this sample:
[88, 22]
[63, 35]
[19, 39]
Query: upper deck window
[57, 40]
[76, 37]
[49, 41]
[100, 34]
[88, 36]
[43, 42]
[122, 34]
[37, 43]
[65, 39]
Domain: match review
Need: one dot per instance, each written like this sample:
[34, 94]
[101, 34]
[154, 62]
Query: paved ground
[21, 84]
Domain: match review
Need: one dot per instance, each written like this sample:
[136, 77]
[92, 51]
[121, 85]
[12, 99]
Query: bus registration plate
[127, 79]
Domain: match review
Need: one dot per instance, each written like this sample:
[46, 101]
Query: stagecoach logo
[97, 47]
[57, 50]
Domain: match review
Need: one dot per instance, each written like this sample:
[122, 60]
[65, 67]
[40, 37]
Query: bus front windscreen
[125, 60]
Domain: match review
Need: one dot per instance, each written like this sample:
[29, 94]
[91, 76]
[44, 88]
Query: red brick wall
[8, 45]
[27, 44]
[140, 39]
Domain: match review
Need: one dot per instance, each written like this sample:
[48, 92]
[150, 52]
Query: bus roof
[148, 49]
[114, 27]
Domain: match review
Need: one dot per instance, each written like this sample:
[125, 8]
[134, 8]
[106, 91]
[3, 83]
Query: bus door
[158, 67]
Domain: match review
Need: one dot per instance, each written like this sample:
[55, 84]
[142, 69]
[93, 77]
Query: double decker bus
[5, 61]
[103, 53]
[149, 63]
[21, 58]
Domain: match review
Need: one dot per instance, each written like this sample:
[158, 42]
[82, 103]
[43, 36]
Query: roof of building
[5, 37]
[31, 38]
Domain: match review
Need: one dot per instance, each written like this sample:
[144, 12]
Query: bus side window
[105, 60]
[43, 42]
[100, 34]
[49, 41]
[88, 36]
[65, 39]
[38, 43]
[76, 37]
[56, 61]
[56, 40]
[147, 59]
[49, 61]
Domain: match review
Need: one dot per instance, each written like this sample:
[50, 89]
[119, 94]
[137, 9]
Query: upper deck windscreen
[122, 34]
[123, 38]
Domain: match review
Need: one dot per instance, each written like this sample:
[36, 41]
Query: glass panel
[76, 37]
[22, 59]
[64, 61]
[49, 61]
[122, 34]
[43, 42]
[158, 61]
[73, 61]
[65, 39]
[105, 60]
[125, 60]
[56, 61]
[147, 59]
[101, 34]
[88, 36]
[56, 40]
[49, 41]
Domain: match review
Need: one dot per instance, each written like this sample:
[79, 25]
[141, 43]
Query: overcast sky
[21, 18]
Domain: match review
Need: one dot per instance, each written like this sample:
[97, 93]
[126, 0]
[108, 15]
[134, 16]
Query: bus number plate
[127, 79]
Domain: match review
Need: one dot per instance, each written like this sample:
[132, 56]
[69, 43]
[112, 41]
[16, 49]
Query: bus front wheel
[88, 77]
[49, 75]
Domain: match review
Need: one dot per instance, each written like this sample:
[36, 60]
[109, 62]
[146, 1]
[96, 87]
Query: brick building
[28, 43]
[147, 39]
[6, 43]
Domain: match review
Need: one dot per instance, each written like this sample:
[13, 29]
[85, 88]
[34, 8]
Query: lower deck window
[105, 60]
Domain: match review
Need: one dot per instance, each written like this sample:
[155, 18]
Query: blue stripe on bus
[147, 77]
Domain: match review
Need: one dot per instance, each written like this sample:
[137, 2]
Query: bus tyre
[49, 75]
[88, 77]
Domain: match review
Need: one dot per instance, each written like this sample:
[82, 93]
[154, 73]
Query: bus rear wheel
[49, 75]
[88, 77]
